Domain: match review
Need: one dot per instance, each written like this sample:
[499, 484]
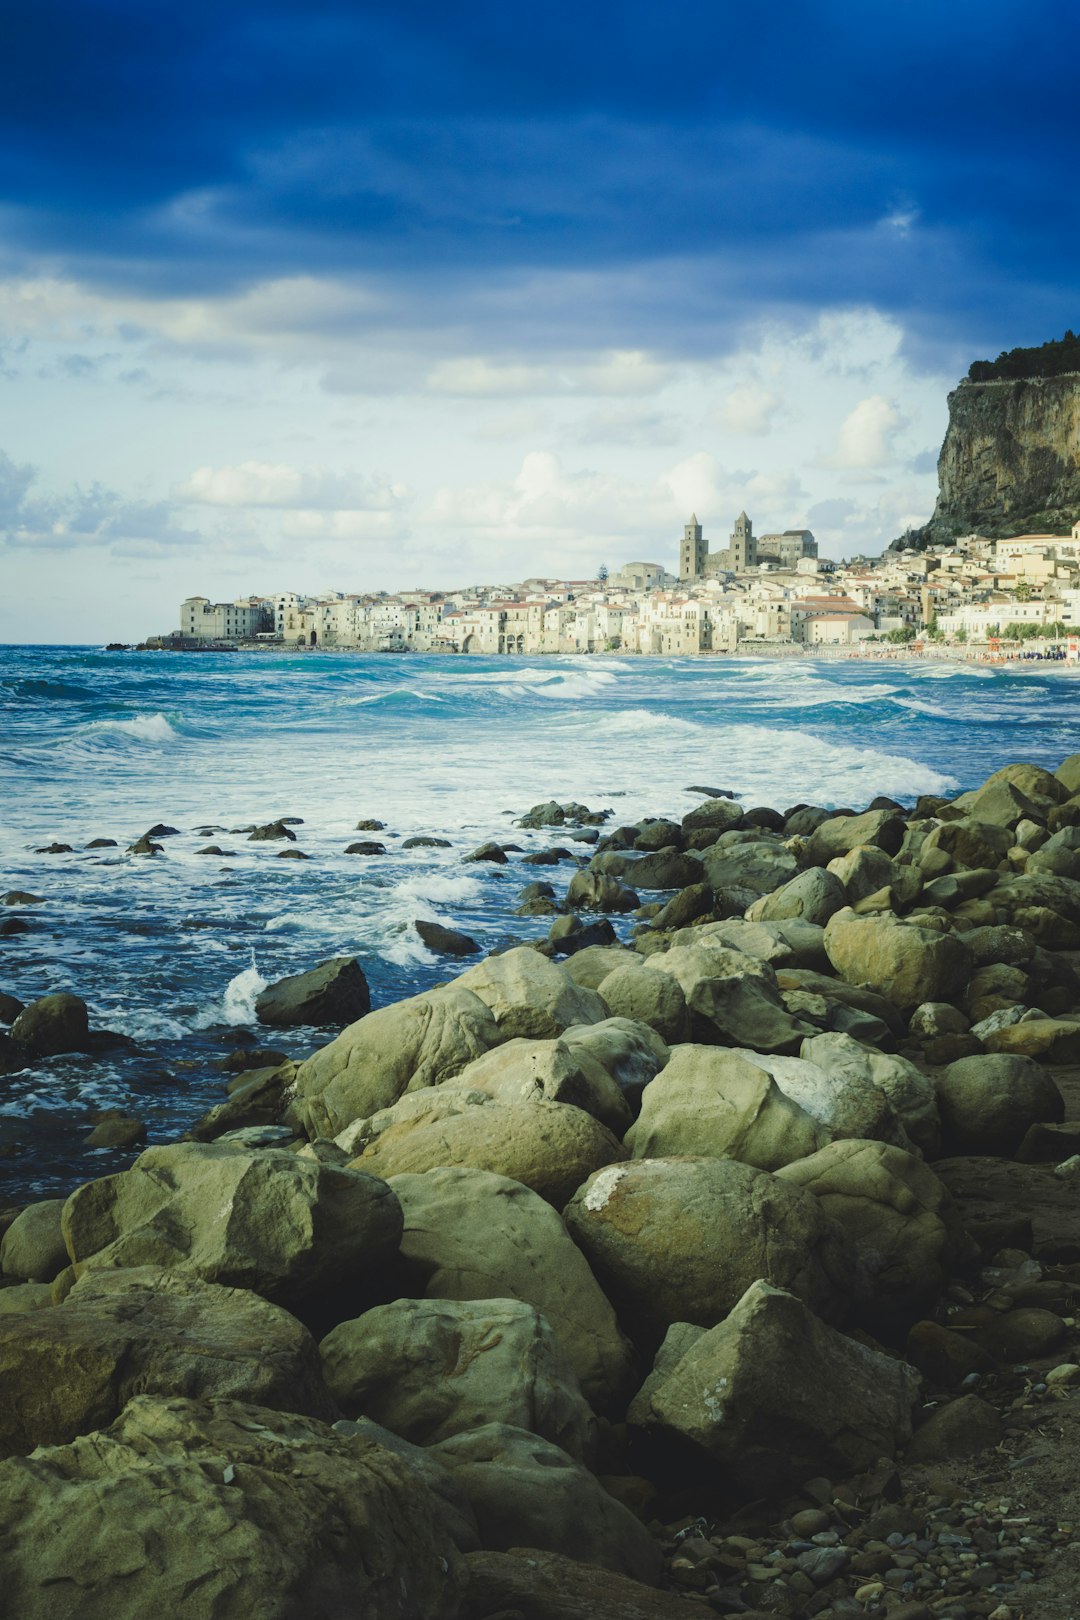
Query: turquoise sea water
[171, 951]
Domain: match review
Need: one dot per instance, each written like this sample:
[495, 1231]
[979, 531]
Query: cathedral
[743, 552]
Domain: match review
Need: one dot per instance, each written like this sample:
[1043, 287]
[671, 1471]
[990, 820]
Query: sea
[171, 950]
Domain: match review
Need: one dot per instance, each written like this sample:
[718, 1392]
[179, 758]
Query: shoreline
[856, 963]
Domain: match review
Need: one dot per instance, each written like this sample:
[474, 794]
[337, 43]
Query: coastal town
[770, 594]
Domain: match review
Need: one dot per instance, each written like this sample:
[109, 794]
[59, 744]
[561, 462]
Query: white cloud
[285, 487]
[617, 372]
[867, 433]
[749, 409]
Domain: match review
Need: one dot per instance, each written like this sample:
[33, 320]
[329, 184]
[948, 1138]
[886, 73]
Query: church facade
[743, 552]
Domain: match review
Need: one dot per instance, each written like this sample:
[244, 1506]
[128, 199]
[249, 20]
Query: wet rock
[227, 1510]
[10, 1008]
[551, 814]
[548, 1146]
[115, 1129]
[54, 849]
[371, 826]
[962, 1428]
[723, 1105]
[292, 855]
[144, 846]
[445, 941]
[101, 843]
[907, 963]
[681, 1239]
[663, 869]
[987, 1103]
[882, 829]
[595, 891]
[33, 1248]
[270, 832]
[13, 925]
[20, 897]
[366, 847]
[285, 1226]
[525, 1490]
[423, 841]
[161, 830]
[754, 862]
[256, 1098]
[813, 895]
[567, 936]
[53, 1025]
[431, 1368]
[14, 1056]
[488, 852]
[335, 992]
[717, 815]
[404, 1047]
[473, 1235]
[148, 1332]
[773, 1396]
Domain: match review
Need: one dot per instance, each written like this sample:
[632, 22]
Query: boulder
[910, 1093]
[1001, 803]
[335, 992]
[412, 1044]
[844, 1102]
[717, 1103]
[221, 1510]
[591, 966]
[863, 871]
[655, 999]
[719, 814]
[907, 963]
[632, 1053]
[33, 1246]
[1037, 785]
[1050, 1040]
[533, 1584]
[445, 941]
[1059, 855]
[72, 1369]
[681, 1239]
[697, 900]
[758, 864]
[14, 1056]
[596, 891]
[527, 1492]
[270, 832]
[470, 1234]
[936, 1018]
[967, 842]
[430, 1368]
[548, 1146]
[988, 1103]
[287, 1227]
[773, 1396]
[524, 1071]
[425, 841]
[663, 869]
[21, 1297]
[731, 997]
[530, 996]
[961, 1428]
[53, 1025]
[813, 895]
[882, 829]
[905, 1230]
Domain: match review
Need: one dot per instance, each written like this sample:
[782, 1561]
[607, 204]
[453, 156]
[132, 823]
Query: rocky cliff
[1010, 463]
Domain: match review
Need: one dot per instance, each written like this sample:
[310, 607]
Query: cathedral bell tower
[692, 551]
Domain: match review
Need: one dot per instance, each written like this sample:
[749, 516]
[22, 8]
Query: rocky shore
[727, 1266]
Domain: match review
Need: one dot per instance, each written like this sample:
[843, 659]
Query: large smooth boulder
[527, 1071]
[813, 896]
[713, 815]
[527, 1492]
[598, 891]
[655, 999]
[1021, 779]
[967, 842]
[411, 1044]
[221, 1510]
[470, 1234]
[663, 869]
[548, 1146]
[713, 1102]
[772, 1396]
[905, 1230]
[53, 1025]
[33, 1247]
[910, 1093]
[72, 1369]
[430, 1368]
[907, 963]
[530, 996]
[539, 1585]
[987, 1103]
[731, 997]
[681, 1239]
[862, 871]
[630, 1051]
[758, 865]
[844, 1104]
[286, 1226]
[335, 992]
[592, 965]
[882, 829]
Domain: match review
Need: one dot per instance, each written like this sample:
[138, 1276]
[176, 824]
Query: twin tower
[695, 562]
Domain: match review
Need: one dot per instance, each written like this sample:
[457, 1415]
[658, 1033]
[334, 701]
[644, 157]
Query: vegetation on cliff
[1050, 359]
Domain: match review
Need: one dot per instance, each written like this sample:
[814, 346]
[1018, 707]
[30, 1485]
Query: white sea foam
[237, 1005]
[143, 728]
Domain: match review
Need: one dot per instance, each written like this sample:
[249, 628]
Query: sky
[368, 296]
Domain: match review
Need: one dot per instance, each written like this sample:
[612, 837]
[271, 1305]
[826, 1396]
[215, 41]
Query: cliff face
[1010, 463]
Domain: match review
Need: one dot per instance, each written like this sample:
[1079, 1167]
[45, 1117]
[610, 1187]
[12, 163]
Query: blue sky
[371, 295]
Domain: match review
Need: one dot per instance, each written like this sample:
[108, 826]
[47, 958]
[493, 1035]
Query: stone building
[697, 562]
[203, 620]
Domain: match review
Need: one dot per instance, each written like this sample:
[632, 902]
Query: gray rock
[987, 1103]
[33, 1246]
[335, 992]
[53, 1025]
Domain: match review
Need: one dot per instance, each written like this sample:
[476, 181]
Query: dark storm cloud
[789, 157]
